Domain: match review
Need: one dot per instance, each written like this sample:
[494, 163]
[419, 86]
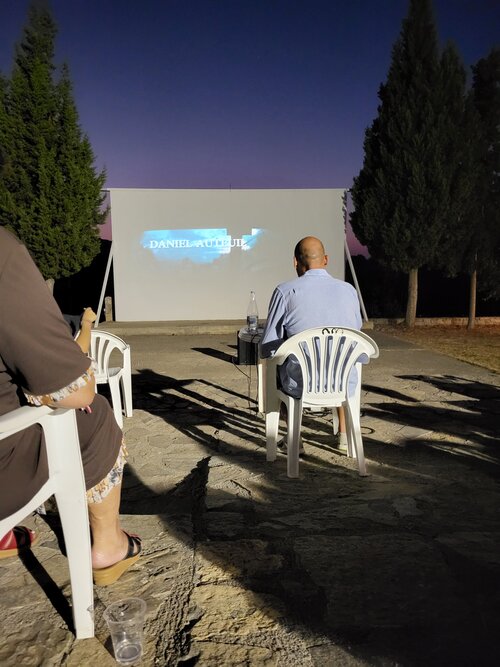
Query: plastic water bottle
[252, 314]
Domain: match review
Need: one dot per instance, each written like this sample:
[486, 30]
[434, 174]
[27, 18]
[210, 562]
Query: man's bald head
[309, 254]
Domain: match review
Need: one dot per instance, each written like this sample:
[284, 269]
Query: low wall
[440, 321]
[190, 328]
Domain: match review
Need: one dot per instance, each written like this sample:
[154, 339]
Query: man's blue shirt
[315, 299]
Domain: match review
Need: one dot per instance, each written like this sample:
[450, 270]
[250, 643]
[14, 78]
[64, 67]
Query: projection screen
[196, 254]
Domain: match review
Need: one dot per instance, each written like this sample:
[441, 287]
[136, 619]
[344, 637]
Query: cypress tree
[78, 189]
[402, 188]
[458, 141]
[50, 194]
[4, 141]
[481, 261]
[31, 110]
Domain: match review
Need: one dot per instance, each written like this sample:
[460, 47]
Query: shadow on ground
[364, 568]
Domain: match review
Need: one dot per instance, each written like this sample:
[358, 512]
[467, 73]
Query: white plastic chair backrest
[326, 356]
[102, 344]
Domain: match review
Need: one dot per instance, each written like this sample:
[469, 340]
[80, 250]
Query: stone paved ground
[243, 566]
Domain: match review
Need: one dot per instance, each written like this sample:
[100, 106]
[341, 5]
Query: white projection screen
[196, 254]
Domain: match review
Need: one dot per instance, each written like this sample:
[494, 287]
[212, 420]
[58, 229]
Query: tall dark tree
[4, 136]
[78, 189]
[49, 191]
[404, 186]
[481, 260]
[459, 137]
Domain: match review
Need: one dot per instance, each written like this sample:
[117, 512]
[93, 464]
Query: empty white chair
[67, 483]
[326, 356]
[102, 345]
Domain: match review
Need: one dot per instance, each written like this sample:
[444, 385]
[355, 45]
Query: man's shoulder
[346, 292]
[338, 283]
[287, 285]
[342, 285]
[312, 276]
[304, 279]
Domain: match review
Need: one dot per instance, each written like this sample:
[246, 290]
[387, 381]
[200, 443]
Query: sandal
[17, 540]
[105, 576]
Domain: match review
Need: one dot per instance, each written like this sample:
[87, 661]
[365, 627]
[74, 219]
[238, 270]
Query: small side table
[248, 354]
[248, 346]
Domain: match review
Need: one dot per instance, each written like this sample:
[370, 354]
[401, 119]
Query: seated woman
[41, 364]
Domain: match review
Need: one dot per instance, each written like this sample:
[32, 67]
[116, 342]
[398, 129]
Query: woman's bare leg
[109, 542]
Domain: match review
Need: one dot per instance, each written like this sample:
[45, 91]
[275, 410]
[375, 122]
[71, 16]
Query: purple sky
[235, 93]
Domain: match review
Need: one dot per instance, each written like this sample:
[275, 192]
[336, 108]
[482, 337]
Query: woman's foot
[111, 551]
[115, 549]
[107, 574]
[17, 540]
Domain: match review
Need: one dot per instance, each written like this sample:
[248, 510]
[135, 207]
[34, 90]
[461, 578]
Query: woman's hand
[89, 315]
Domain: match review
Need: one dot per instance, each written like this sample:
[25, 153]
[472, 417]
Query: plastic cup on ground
[125, 619]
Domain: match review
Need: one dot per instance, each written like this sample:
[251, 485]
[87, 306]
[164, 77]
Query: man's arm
[357, 310]
[274, 331]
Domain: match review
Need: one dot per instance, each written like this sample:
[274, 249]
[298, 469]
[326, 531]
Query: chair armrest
[23, 418]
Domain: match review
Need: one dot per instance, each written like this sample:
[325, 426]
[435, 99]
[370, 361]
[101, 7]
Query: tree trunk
[411, 304]
[50, 284]
[472, 300]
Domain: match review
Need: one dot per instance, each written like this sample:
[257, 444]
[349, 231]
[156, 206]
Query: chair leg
[126, 383]
[114, 388]
[261, 407]
[293, 437]
[72, 505]
[74, 521]
[351, 449]
[272, 425]
[354, 402]
[335, 421]
[355, 439]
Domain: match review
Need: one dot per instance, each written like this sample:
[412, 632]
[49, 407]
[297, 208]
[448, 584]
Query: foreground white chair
[102, 345]
[66, 482]
[326, 356]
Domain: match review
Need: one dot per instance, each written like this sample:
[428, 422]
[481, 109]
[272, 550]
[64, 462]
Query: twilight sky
[235, 93]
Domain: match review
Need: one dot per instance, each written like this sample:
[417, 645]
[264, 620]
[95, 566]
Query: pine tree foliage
[459, 136]
[4, 140]
[484, 248]
[78, 190]
[402, 194]
[50, 193]
[392, 208]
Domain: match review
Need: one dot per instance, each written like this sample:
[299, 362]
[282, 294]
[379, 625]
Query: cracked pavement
[243, 566]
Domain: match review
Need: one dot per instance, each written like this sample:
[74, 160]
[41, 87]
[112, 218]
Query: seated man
[314, 299]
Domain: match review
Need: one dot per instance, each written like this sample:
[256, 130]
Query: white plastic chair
[67, 483]
[102, 345]
[326, 356]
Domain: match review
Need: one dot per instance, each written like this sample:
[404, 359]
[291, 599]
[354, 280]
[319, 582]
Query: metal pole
[104, 283]
[349, 259]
